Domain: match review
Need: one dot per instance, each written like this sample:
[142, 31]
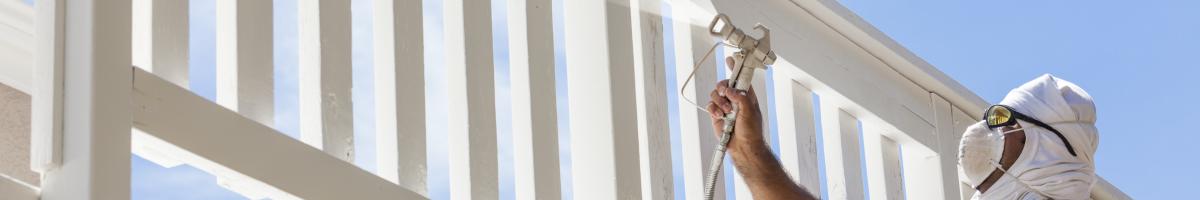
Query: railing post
[534, 114]
[400, 94]
[843, 169]
[797, 131]
[326, 114]
[472, 99]
[245, 58]
[47, 96]
[603, 108]
[695, 128]
[650, 79]
[160, 38]
[883, 164]
[96, 119]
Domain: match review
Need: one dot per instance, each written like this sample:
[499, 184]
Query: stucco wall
[14, 135]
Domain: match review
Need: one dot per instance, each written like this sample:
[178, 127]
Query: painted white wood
[14, 189]
[326, 114]
[245, 58]
[882, 155]
[399, 94]
[650, 79]
[920, 161]
[96, 119]
[17, 41]
[47, 94]
[838, 69]
[696, 136]
[797, 132]
[905, 63]
[230, 141]
[843, 167]
[160, 38]
[946, 150]
[472, 99]
[603, 108]
[534, 114]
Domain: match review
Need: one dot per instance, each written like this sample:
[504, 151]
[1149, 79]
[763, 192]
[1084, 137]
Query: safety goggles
[1001, 115]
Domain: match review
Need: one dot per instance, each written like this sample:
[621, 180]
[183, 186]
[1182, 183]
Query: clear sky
[1135, 58]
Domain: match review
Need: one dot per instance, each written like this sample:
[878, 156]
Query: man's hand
[753, 159]
[748, 126]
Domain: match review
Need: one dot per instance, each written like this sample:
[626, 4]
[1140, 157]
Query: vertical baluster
[96, 119]
[797, 130]
[920, 161]
[843, 169]
[603, 109]
[400, 94]
[47, 109]
[472, 99]
[695, 127]
[882, 163]
[326, 119]
[649, 76]
[534, 117]
[160, 38]
[245, 58]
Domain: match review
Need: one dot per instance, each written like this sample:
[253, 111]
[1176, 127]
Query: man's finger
[729, 63]
[714, 111]
[741, 98]
[720, 101]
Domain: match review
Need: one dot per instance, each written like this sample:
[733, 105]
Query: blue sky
[1135, 58]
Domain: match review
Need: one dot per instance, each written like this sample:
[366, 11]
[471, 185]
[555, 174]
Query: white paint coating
[226, 140]
[534, 114]
[326, 118]
[96, 117]
[245, 58]
[651, 90]
[696, 136]
[399, 94]
[471, 95]
[797, 131]
[602, 104]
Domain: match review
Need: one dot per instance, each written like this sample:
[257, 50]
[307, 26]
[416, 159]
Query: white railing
[907, 114]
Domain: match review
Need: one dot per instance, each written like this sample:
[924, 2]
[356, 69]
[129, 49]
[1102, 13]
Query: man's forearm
[764, 174]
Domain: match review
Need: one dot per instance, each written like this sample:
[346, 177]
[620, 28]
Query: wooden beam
[654, 134]
[471, 94]
[797, 132]
[231, 141]
[160, 38]
[400, 94]
[843, 167]
[245, 58]
[96, 119]
[534, 114]
[696, 135]
[603, 113]
[326, 114]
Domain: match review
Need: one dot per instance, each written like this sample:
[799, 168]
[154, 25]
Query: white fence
[87, 99]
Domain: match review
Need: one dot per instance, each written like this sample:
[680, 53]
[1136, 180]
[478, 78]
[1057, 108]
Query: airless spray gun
[752, 54]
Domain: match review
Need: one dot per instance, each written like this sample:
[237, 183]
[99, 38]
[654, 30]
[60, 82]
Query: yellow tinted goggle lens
[998, 115]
